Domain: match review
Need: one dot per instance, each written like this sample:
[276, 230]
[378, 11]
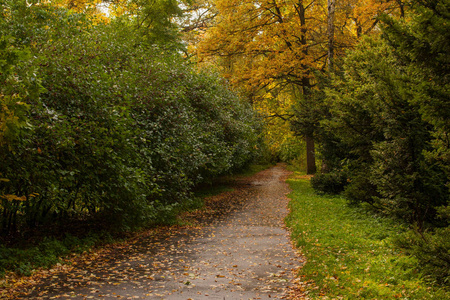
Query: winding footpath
[243, 253]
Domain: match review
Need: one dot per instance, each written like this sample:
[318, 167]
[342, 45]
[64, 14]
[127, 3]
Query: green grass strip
[47, 253]
[350, 253]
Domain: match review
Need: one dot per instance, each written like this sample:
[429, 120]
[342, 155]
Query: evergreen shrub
[329, 183]
[432, 250]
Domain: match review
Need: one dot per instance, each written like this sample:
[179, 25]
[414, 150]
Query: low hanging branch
[284, 117]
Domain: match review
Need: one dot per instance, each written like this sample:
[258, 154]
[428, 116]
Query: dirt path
[244, 254]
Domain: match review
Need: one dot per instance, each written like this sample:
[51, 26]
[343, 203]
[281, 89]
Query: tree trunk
[401, 5]
[306, 87]
[330, 32]
[310, 155]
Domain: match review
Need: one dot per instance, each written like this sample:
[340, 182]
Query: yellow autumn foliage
[89, 7]
[259, 46]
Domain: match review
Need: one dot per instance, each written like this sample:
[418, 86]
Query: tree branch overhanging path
[238, 249]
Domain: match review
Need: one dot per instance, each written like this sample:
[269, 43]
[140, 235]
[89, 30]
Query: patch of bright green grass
[349, 253]
[48, 252]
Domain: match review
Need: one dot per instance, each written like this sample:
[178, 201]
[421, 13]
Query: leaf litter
[235, 248]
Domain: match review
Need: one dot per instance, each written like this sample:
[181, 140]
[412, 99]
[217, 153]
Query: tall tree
[423, 45]
[267, 46]
[390, 114]
[282, 44]
[157, 20]
[331, 29]
[197, 18]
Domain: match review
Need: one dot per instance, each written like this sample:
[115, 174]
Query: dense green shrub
[329, 183]
[361, 190]
[292, 148]
[18, 85]
[432, 250]
[123, 130]
[386, 136]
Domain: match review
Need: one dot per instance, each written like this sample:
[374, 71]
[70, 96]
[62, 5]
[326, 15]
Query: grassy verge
[349, 253]
[24, 259]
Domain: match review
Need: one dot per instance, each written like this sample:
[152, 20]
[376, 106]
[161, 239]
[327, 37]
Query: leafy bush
[18, 86]
[123, 130]
[329, 183]
[292, 148]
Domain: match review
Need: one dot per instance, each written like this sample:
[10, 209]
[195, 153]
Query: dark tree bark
[310, 155]
[330, 33]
